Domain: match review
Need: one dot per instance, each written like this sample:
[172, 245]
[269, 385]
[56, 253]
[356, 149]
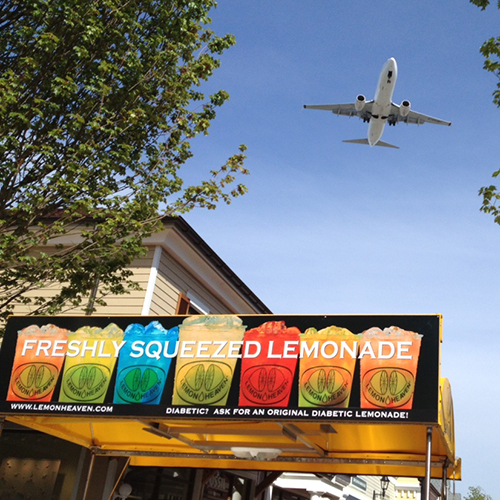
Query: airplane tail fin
[379, 143]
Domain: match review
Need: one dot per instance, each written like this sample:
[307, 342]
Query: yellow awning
[339, 447]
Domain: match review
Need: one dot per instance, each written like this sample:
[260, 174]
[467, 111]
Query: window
[188, 304]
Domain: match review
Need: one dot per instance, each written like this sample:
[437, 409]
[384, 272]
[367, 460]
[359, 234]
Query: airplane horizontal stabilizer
[365, 141]
[386, 145]
[359, 141]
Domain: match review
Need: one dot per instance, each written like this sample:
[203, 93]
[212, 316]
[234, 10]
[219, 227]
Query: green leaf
[99, 101]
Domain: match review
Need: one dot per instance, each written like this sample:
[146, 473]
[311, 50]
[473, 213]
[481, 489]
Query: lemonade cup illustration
[142, 371]
[208, 351]
[88, 369]
[327, 367]
[388, 364]
[37, 363]
[266, 378]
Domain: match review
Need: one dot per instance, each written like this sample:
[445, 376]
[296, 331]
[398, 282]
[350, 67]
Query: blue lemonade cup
[144, 362]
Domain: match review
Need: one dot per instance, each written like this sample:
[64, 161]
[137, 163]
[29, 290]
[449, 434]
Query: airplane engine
[359, 103]
[405, 107]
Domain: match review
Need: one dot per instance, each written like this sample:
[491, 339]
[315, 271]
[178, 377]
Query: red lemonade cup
[269, 360]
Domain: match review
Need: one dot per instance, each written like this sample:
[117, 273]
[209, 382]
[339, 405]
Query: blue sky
[334, 228]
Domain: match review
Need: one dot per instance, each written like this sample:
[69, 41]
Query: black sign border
[425, 402]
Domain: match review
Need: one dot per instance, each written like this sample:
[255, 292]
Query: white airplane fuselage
[382, 102]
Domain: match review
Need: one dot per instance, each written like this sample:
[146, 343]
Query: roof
[209, 254]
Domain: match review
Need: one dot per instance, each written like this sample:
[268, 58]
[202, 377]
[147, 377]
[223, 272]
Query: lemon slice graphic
[330, 383]
[384, 382]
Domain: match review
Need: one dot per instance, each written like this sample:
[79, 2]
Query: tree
[491, 52]
[477, 493]
[99, 100]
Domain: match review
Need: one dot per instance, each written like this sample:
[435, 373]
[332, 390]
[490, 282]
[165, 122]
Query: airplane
[380, 110]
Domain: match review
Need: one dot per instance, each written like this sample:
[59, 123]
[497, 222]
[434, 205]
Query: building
[148, 453]
[333, 487]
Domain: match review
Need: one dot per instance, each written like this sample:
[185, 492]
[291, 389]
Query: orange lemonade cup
[327, 367]
[389, 361]
[37, 363]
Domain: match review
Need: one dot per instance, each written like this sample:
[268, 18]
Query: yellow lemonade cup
[207, 359]
[327, 367]
[89, 364]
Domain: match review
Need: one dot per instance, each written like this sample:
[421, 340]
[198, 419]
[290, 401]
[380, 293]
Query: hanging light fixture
[384, 485]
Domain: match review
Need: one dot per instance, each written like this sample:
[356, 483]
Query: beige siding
[173, 279]
[128, 304]
[165, 296]
[131, 303]
[46, 293]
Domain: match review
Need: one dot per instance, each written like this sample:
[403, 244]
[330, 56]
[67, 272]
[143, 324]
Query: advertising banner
[369, 368]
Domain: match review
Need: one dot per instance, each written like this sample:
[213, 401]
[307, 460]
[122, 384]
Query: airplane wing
[412, 117]
[345, 109]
